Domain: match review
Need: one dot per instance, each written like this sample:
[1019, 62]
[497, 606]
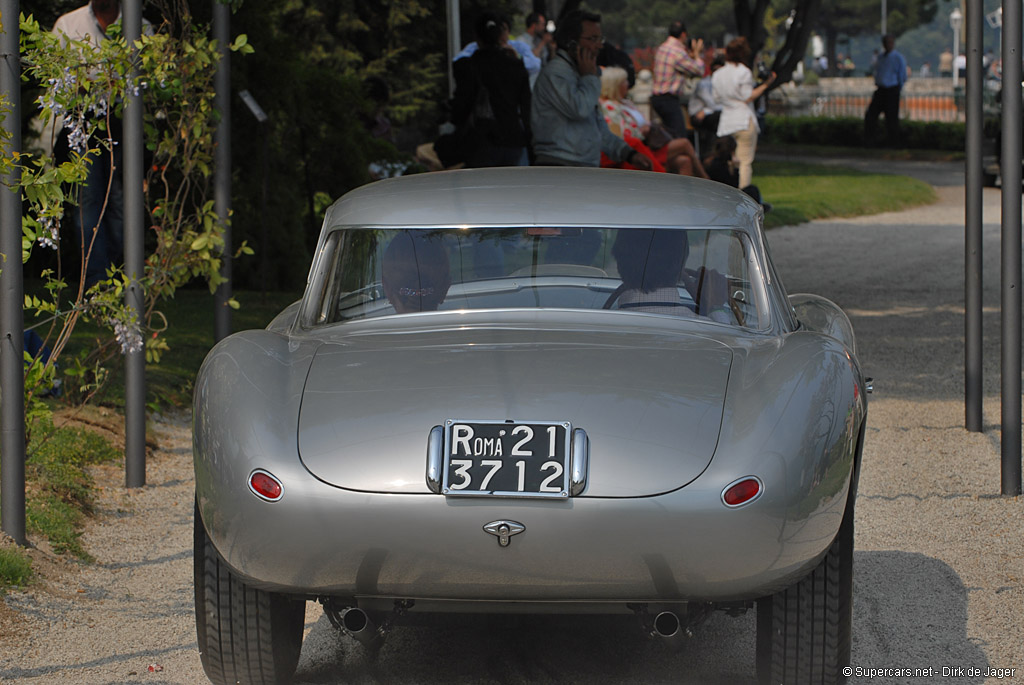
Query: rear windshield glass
[705, 273]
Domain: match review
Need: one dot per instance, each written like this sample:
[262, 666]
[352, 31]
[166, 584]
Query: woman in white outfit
[733, 86]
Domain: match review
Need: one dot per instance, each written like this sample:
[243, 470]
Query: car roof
[544, 196]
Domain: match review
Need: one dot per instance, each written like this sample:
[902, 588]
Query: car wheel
[804, 632]
[988, 180]
[245, 635]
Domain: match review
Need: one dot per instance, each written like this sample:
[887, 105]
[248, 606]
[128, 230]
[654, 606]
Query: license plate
[506, 458]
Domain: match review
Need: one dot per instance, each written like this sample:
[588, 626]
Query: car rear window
[706, 274]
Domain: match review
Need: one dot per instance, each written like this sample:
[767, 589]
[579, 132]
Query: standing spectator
[705, 110]
[538, 38]
[491, 105]
[890, 75]
[926, 70]
[995, 70]
[525, 52]
[568, 127]
[946, 63]
[960, 64]
[733, 85]
[677, 67]
[98, 219]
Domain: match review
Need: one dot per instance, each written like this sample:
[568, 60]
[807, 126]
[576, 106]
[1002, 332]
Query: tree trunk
[831, 38]
[797, 37]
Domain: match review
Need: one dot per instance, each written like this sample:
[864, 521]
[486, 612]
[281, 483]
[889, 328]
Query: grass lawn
[802, 192]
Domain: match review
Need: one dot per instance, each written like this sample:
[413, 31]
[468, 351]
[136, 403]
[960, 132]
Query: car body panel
[340, 414]
[642, 398]
[496, 198]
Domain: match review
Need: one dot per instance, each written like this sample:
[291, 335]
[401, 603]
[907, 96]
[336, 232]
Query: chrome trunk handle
[580, 462]
[435, 447]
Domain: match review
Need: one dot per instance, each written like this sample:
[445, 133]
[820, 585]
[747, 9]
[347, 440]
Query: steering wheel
[692, 281]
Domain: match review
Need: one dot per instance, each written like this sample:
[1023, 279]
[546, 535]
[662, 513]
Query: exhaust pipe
[668, 627]
[357, 624]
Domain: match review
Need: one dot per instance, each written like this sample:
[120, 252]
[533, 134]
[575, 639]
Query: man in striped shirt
[675, 63]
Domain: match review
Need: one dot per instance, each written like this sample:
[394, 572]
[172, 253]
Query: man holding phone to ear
[568, 127]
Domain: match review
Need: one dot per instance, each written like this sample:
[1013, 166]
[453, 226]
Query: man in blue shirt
[890, 75]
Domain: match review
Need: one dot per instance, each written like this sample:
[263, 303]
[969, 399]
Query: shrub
[15, 569]
[849, 132]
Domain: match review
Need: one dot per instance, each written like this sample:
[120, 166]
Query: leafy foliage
[851, 18]
[82, 88]
[643, 23]
[311, 73]
[15, 569]
[849, 131]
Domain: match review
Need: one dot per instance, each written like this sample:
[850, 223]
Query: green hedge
[849, 132]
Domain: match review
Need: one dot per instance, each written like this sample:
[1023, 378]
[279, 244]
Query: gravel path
[939, 580]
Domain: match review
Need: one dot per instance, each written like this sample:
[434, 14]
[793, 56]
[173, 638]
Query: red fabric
[638, 145]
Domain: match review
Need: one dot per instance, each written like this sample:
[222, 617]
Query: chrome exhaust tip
[668, 627]
[357, 624]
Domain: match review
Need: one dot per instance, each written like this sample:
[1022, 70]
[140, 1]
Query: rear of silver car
[491, 418]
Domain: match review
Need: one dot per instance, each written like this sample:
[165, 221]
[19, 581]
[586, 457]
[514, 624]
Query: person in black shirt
[491, 105]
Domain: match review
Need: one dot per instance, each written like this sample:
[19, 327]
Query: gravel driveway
[938, 567]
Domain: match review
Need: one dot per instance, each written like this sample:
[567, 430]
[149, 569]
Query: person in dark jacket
[491, 105]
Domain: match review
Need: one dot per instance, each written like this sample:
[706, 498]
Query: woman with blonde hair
[733, 86]
[625, 120]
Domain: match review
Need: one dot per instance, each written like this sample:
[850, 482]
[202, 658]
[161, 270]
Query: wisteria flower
[49, 233]
[128, 336]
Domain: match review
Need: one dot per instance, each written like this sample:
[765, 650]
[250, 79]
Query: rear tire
[245, 635]
[804, 632]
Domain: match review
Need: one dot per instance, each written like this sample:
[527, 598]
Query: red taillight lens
[741, 492]
[265, 486]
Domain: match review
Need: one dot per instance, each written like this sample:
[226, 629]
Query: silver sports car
[532, 390]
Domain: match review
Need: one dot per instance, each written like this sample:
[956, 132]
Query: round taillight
[265, 486]
[743, 491]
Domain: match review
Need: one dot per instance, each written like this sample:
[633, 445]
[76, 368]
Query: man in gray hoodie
[568, 127]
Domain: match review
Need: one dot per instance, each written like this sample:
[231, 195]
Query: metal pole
[1011, 258]
[956, 55]
[12, 296]
[222, 164]
[134, 262]
[454, 41]
[972, 234]
[884, 12]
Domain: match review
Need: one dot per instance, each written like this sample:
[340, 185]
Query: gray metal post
[1011, 258]
[972, 235]
[222, 164]
[454, 40]
[134, 264]
[12, 297]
